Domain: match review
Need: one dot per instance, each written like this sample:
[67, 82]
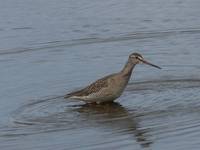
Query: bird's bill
[148, 63]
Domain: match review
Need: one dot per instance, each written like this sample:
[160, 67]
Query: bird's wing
[92, 88]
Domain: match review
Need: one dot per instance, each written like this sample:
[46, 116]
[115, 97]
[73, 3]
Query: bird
[110, 87]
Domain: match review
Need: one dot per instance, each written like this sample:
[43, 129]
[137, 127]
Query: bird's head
[136, 58]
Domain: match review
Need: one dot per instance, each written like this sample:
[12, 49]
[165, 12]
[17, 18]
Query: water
[49, 48]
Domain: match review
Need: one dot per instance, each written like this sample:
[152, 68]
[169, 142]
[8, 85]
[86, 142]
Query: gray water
[49, 48]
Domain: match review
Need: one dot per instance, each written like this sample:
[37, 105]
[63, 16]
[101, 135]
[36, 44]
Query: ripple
[22, 28]
[94, 40]
[156, 114]
[157, 85]
[58, 105]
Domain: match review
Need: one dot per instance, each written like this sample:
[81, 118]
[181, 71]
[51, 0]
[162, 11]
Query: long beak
[148, 63]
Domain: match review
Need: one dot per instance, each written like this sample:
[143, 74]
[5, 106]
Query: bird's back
[107, 88]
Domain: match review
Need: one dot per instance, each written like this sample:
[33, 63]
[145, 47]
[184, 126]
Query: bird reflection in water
[112, 116]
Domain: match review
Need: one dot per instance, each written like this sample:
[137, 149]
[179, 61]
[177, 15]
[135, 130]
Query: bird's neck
[128, 68]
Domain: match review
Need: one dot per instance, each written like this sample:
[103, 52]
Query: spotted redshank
[110, 87]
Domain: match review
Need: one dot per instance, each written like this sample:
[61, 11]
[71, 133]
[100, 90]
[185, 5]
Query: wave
[95, 40]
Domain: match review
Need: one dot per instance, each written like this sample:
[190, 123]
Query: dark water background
[51, 47]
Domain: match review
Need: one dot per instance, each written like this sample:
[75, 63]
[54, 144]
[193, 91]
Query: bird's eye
[137, 57]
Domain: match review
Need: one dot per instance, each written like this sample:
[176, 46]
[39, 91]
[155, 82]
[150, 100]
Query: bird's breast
[118, 85]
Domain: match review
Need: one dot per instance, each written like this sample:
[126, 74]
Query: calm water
[50, 47]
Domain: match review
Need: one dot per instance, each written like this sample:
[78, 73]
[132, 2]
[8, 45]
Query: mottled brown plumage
[109, 87]
[92, 88]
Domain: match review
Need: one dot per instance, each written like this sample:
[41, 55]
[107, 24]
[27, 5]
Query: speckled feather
[92, 88]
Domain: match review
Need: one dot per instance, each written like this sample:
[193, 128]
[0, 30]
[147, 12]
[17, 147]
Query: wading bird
[110, 87]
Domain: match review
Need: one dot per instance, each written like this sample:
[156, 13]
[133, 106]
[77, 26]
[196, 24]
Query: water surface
[49, 48]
